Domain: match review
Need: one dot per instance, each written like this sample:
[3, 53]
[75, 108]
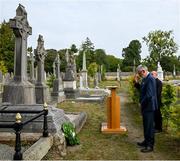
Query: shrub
[168, 98]
[133, 91]
[50, 81]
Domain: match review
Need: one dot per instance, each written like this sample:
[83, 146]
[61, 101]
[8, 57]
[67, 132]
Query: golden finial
[45, 106]
[18, 118]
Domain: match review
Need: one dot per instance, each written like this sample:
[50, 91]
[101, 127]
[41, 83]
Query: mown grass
[97, 146]
[167, 144]
[94, 144]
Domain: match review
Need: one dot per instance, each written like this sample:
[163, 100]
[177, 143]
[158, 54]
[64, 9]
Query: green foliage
[133, 91]
[160, 44]
[175, 118]
[7, 40]
[100, 57]
[131, 55]
[92, 69]
[50, 81]
[168, 98]
[112, 63]
[70, 134]
[50, 57]
[103, 72]
[87, 45]
[3, 68]
[168, 63]
[73, 48]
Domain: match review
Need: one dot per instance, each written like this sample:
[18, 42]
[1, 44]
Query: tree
[92, 69]
[160, 44]
[73, 48]
[88, 47]
[168, 63]
[112, 63]
[131, 55]
[50, 57]
[100, 56]
[2, 67]
[7, 41]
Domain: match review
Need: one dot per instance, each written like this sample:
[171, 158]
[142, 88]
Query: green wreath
[70, 134]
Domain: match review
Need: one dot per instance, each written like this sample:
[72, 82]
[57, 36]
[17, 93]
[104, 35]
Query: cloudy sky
[110, 24]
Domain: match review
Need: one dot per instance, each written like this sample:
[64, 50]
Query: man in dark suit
[157, 114]
[148, 101]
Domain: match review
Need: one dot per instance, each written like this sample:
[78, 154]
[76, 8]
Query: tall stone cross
[40, 54]
[22, 30]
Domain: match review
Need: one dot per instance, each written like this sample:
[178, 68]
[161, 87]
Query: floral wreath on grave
[70, 134]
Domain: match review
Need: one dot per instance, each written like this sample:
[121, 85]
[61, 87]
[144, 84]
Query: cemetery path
[135, 132]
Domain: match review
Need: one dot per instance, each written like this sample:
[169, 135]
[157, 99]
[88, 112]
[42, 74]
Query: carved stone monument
[84, 71]
[58, 93]
[69, 78]
[32, 79]
[20, 86]
[40, 87]
[118, 73]
[19, 94]
[160, 72]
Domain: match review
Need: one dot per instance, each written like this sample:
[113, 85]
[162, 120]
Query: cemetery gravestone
[20, 86]
[40, 87]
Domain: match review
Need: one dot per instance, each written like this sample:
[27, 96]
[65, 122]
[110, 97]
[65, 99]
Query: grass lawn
[94, 144]
[97, 146]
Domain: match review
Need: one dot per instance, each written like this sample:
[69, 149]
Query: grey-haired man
[148, 101]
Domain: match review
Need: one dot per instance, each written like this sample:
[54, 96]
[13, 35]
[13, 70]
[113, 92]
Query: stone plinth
[19, 92]
[41, 93]
[84, 78]
[55, 118]
[57, 94]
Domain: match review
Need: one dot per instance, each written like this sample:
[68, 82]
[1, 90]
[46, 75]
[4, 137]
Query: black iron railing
[18, 126]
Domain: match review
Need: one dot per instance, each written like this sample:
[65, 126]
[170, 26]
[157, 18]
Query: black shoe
[141, 144]
[147, 149]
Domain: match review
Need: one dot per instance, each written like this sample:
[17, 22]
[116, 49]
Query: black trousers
[158, 119]
[148, 124]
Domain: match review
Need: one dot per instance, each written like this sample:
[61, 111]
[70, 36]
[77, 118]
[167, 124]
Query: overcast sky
[110, 24]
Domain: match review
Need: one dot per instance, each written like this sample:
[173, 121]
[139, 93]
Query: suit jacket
[148, 98]
[158, 92]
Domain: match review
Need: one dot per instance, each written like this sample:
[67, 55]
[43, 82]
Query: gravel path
[135, 134]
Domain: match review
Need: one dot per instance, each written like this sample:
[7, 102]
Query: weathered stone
[160, 72]
[32, 59]
[19, 90]
[55, 118]
[58, 93]
[38, 150]
[69, 79]
[84, 72]
[40, 87]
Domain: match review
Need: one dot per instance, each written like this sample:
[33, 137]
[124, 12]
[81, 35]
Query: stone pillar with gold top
[113, 114]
